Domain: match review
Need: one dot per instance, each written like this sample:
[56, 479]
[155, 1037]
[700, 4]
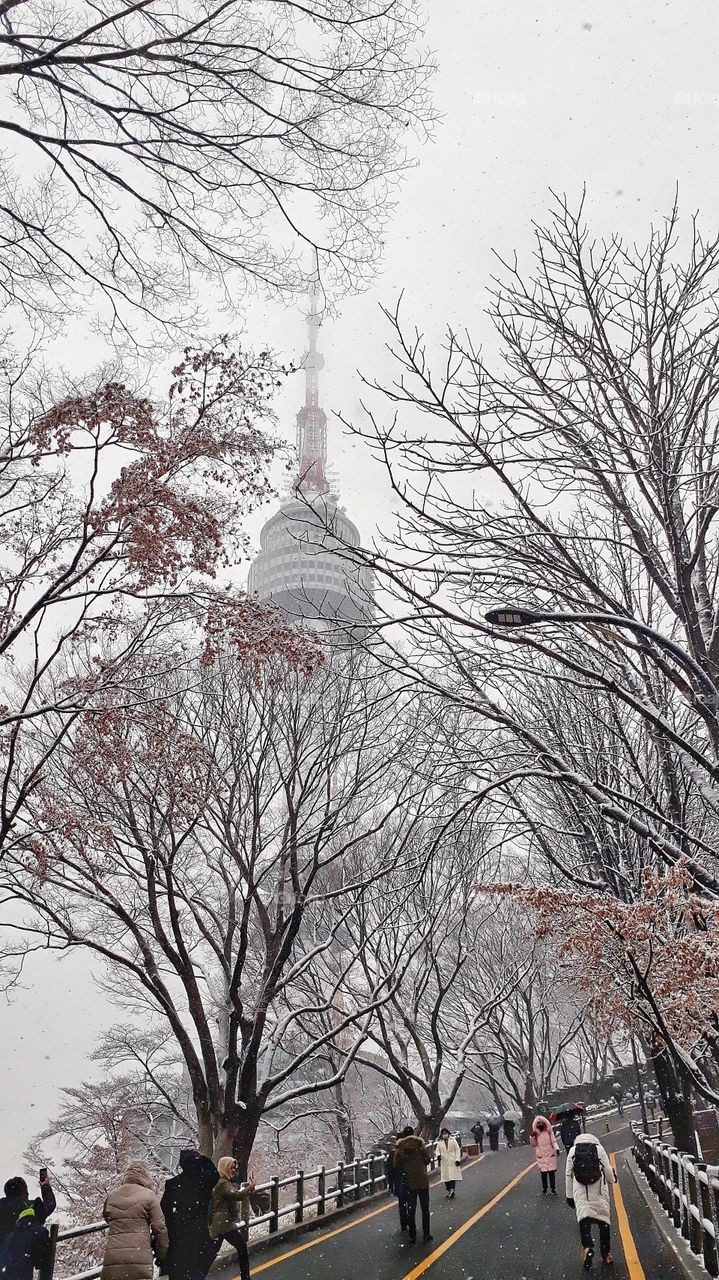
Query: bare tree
[423, 1037]
[211, 849]
[591, 452]
[145, 143]
[524, 1048]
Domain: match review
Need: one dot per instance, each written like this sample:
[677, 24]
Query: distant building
[302, 566]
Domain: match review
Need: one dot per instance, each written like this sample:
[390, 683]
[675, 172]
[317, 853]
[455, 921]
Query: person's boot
[427, 1239]
[587, 1255]
[607, 1259]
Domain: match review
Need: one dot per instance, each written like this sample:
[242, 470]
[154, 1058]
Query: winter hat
[16, 1187]
[224, 1166]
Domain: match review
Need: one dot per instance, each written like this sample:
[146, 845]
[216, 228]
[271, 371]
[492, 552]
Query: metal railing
[297, 1196]
[688, 1189]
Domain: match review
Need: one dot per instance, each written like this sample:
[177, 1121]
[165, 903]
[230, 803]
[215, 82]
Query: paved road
[499, 1227]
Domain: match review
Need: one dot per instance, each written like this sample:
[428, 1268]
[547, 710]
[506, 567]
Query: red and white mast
[311, 419]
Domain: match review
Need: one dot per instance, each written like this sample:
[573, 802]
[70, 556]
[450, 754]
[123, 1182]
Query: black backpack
[587, 1165]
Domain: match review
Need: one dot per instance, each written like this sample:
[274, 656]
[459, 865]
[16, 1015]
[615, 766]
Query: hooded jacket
[230, 1204]
[135, 1224]
[593, 1201]
[411, 1158]
[546, 1147]
[185, 1205]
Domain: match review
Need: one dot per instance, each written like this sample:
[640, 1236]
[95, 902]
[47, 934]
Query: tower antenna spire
[311, 419]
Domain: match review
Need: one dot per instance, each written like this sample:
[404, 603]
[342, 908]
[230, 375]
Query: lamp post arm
[641, 629]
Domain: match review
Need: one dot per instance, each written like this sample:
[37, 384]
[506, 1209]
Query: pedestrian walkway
[499, 1227]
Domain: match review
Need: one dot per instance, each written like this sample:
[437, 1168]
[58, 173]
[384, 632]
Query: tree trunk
[675, 1089]
[344, 1125]
[205, 1131]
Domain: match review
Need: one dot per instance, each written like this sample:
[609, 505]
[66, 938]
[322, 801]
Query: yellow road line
[338, 1231]
[634, 1267]
[466, 1226]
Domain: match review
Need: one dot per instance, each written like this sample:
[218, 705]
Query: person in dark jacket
[569, 1129]
[508, 1128]
[478, 1135]
[400, 1188]
[185, 1206]
[494, 1124]
[411, 1158]
[25, 1249]
[17, 1198]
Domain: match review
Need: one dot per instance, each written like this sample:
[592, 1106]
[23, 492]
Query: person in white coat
[589, 1174]
[449, 1155]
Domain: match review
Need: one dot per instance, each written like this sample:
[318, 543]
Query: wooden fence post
[300, 1196]
[321, 1191]
[49, 1270]
[340, 1184]
[275, 1204]
[710, 1243]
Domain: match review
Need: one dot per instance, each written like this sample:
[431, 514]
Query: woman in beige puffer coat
[135, 1223]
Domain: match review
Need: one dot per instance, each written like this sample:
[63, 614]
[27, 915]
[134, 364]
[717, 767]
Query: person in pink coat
[546, 1150]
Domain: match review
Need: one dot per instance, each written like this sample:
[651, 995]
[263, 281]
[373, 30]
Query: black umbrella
[567, 1109]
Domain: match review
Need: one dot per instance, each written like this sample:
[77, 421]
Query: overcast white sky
[624, 98]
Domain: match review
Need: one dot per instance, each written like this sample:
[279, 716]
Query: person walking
[570, 1127]
[478, 1135]
[508, 1128]
[185, 1206]
[399, 1185]
[230, 1204]
[449, 1155]
[618, 1097]
[17, 1198]
[546, 1150]
[411, 1158]
[494, 1124]
[588, 1175]
[136, 1228]
[26, 1248]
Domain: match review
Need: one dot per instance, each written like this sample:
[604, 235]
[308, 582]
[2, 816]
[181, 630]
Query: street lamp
[509, 617]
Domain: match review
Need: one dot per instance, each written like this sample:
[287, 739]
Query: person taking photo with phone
[17, 1199]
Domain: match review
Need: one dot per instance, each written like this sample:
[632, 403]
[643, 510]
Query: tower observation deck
[299, 567]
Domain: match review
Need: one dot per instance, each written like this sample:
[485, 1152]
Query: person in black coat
[25, 1249]
[478, 1133]
[569, 1129]
[17, 1198]
[185, 1204]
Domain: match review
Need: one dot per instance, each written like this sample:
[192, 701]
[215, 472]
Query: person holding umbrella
[570, 1124]
[510, 1118]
